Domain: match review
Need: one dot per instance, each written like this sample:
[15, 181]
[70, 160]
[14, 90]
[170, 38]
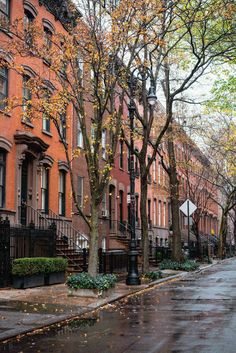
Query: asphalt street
[197, 314]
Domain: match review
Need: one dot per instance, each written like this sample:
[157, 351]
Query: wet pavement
[196, 314]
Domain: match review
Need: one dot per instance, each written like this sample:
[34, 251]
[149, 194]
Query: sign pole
[188, 229]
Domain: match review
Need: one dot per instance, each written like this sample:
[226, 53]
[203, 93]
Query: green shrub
[35, 265]
[188, 265]
[152, 275]
[85, 281]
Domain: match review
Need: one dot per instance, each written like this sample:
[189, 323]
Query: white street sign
[188, 207]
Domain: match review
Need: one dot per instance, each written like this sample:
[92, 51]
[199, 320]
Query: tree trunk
[234, 230]
[174, 199]
[144, 225]
[93, 249]
[223, 234]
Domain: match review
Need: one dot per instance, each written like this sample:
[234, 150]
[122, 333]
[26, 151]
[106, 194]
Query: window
[46, 118]
[104, 135]
[4, 9]
[159, 173]
[121, 159]
[3, 87]
[63, 61]
[62, 193]
[80, 68]
[26, 98]
[28, 20]
[62, 127]
[164, 215]
[121, 200]
[159, 213]
[92, 138]
[149, 178]
[104, 202]
[149, 214]
[2, 177]
[45, 189]
[47, 37]
[80, 195]
[154, 212]
[79, 135]
[154, 170]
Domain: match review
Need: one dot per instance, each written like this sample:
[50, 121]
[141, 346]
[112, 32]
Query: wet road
[196, 314]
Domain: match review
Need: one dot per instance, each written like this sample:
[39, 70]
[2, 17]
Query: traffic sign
[188, 208]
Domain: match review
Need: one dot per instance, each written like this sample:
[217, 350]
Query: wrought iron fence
[159, 253]
[22, 241]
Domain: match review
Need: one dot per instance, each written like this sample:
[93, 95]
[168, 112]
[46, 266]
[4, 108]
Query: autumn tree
[83, 67]
[196, 39]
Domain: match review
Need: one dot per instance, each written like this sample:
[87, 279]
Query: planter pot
[28, 281]
[54, 278]
[90, 293]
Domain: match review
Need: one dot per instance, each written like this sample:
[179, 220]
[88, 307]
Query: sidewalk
[24, 311]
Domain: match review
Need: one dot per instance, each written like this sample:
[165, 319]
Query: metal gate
[5, 264]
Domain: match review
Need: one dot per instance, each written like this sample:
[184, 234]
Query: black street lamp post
[133, 276]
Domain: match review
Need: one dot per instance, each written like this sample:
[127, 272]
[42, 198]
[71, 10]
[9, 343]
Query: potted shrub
[28, 272]
[55, 269]
[85, 285]
[38, 271]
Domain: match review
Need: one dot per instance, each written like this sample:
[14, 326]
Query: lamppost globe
[152, 98]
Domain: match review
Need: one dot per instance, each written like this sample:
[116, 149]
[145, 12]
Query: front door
[24, 191]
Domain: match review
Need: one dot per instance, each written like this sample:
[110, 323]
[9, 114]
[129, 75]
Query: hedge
[35, 265]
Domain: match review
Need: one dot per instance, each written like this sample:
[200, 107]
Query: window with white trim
[164, 214]
[62, 193]
[154, 212]
[80, 143]
[104, 136]
[45, 189]
[159, 213]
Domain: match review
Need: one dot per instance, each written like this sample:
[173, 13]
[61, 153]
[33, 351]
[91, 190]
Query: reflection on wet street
[197, 315]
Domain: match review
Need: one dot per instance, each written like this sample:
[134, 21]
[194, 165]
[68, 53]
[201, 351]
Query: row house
[34, 176]
[33, 169]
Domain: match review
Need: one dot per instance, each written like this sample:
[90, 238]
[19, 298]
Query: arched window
[3, 87]
[2, 177]
[29, 16]
[48, 30]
